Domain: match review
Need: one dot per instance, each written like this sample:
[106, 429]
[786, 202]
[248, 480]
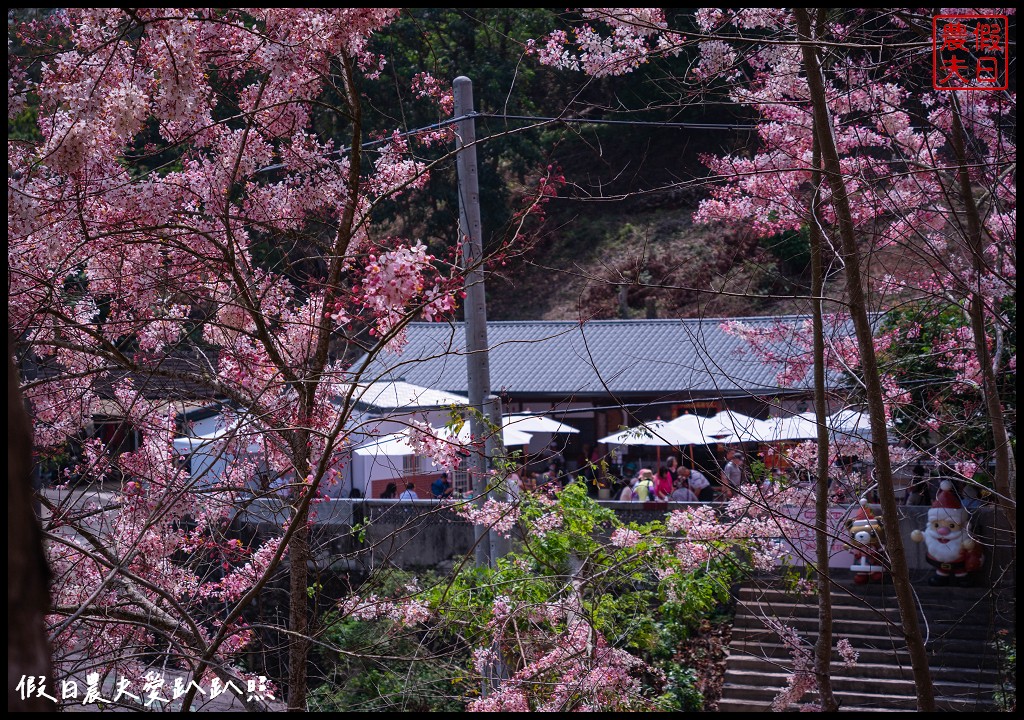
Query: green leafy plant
[1006, 694]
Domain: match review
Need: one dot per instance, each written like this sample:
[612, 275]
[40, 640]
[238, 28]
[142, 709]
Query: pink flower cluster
[405, 611]
[494, 514]
[394, 281]
[625, 538]
[235, 583]
[546, 523]
[847, 653]
[802, 678]
[446, 450]
[428, 86]
[580, 673]
[636, 34]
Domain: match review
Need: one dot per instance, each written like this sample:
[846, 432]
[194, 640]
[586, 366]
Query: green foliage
[378, 669]
[383, 666]
[916, 358]
[24, 126]
[792, 248]
[680, 692]
[486, 45]
[636, 596]
[1006, 694]
[634, 593]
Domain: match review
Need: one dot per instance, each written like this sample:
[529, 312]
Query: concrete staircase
[960, 628]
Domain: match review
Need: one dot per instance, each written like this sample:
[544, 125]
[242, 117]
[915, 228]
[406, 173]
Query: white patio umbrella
[659, 434]
[398, 444]
[209, 440]
[509, 435]
[531, 423]
[394, 445]
[655, 433]
[731, 426]
[793, 427]
[699, 430]
[845, 423]
[852, 421]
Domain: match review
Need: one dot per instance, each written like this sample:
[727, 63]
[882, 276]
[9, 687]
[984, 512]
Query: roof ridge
[619, 321]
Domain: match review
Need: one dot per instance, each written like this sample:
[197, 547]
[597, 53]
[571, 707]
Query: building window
[411, 464]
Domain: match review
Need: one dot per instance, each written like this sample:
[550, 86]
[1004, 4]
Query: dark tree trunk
[1004, 481]
[28, 597]
[822, 541]
[869, 366]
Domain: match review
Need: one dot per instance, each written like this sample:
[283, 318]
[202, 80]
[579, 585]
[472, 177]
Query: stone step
[852, 699]
[752, 706]
[922, 590]
[842, 626]
[785, 610]
[962, 601]
[948, 666]
[863, 669]
[894, 643]
[958, 623]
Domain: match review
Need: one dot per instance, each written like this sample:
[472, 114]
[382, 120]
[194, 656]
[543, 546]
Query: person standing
[733, 474]
[409, 493]
[628, 493]
[664, 483]
[673, 467]
[441, 488]
[698, 483]
[645, 488]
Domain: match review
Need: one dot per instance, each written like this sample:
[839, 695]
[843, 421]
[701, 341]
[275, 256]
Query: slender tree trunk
[299, 555]
[1004, 482]
[869, 365]
[28, 597]
[298, 616]
[822, 541]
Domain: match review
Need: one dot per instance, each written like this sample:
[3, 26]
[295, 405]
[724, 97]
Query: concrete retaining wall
[428, 533]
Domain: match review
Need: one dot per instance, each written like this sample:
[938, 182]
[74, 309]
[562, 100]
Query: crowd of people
[672, 483]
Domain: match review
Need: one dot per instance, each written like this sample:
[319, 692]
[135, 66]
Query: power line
[638, 123]
[370, 144]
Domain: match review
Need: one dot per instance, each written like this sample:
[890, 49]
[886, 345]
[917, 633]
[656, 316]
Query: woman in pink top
[664, 484]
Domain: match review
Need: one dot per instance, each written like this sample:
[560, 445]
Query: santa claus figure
[952, 553]
[866, 540]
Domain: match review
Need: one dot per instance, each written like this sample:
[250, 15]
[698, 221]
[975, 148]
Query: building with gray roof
[604, 374]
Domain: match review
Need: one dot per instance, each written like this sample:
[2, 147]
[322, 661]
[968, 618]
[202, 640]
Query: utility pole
[478, 369]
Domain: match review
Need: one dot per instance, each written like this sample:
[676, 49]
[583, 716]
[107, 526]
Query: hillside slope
[610, 262]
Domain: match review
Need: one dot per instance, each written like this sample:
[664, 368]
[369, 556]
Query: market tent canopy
[659, 433]
[392, 395]
[398, 444]
[532, 423]
[727, 426]
[844, 424]
[794, 427]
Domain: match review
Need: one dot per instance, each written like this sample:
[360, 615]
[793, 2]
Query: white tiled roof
[398, 394]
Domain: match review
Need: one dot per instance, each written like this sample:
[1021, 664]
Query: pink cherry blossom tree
[176, 221]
